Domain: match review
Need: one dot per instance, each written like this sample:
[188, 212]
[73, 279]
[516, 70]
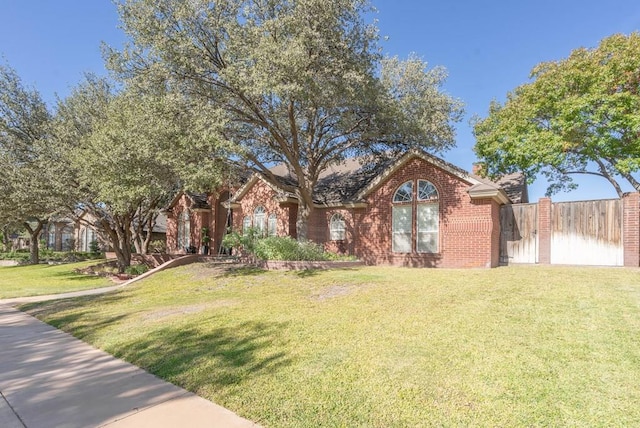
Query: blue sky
[488, 48]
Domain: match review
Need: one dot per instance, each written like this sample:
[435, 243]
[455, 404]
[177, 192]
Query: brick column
[631, 229]
[544, 231]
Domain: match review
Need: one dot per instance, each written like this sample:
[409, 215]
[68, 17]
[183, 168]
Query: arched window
[427, 218]
[246, 224]
[184, 230]
[337, 228]
[259, 215]
[402, 215]
[273, 225]
[67, 238]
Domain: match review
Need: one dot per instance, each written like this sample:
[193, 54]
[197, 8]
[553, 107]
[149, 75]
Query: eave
[495, 194]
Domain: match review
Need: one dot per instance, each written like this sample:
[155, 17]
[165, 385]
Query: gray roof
[343, 182]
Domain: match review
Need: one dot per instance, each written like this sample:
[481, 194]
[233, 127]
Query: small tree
[130, 151]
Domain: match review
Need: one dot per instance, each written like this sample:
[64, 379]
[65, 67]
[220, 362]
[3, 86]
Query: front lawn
[383, 347]
[33, 280]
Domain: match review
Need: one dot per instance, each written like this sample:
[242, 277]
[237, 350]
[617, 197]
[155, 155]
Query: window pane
[402, 218]
[428, 222]
[258, 220]
[337, 228]
[401, 226]
[426, 191]
[246, 224]
[404, 193]
[272, 225]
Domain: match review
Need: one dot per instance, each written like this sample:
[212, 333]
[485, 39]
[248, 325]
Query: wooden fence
[581, 233]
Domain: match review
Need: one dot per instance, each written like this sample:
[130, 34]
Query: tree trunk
[6, 242]
[34, 245]
[305, 208]
[120, 236]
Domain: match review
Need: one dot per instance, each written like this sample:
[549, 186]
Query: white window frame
[272, 227]
[259, 220]
[184, 230]
[246, 224]
[419, 211]
[337, 227]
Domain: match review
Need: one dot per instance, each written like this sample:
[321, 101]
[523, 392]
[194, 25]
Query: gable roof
[349, 182]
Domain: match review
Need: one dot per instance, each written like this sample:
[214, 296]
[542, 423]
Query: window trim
[259, 220]
[337, 227]
[423, 194]
[272, 225]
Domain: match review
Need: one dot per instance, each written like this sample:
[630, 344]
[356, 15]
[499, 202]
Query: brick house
[417, 210]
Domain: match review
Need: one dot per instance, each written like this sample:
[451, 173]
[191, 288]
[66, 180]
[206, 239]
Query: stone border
[7, 263]
[303, 265]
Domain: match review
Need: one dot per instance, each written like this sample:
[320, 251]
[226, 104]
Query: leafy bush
[136, 269]
[50, 256]
[157, 246]
[94, 247]
[19, 256]
[287, 248]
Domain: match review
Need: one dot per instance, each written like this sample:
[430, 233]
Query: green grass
[383, 347]
[33, 280]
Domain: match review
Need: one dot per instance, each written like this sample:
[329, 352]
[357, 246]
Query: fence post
[631, 229]
[544, 231]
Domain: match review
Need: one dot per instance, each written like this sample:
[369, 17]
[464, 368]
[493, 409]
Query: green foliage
[51, 256]
[94, 247]
[293, 82]
[204, 236]
[158, 246]
[287, 248]
[244, 241]
[138, 269]
[580, 115]
[278, 247]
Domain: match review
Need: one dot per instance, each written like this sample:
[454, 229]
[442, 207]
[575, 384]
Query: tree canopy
[294, 82]
[30, 182]
[580, 115]
[130, 151]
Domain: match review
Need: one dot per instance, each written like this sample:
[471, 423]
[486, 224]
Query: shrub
[157, 246]
[287, 248]
[94, 247]
[136, 269]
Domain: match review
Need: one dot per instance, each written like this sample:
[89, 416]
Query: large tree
[130, 151]
[29, 183]
[580, 115]
[298, 82]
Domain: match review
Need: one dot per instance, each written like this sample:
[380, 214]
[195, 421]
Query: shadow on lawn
[53, 313]
[197, 358]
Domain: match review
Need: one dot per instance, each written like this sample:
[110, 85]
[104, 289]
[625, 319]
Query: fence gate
[518, 234]
[587, 233]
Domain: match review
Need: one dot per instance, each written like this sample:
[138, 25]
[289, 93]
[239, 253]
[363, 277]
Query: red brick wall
[469, 230]
[263, 195]
[319, 230]
[198, 218]
[631, 229]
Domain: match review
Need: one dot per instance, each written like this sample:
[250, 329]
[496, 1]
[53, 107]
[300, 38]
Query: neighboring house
[65, 234]
[417, 210]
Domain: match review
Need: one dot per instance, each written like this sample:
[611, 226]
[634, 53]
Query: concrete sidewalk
[50, 379]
